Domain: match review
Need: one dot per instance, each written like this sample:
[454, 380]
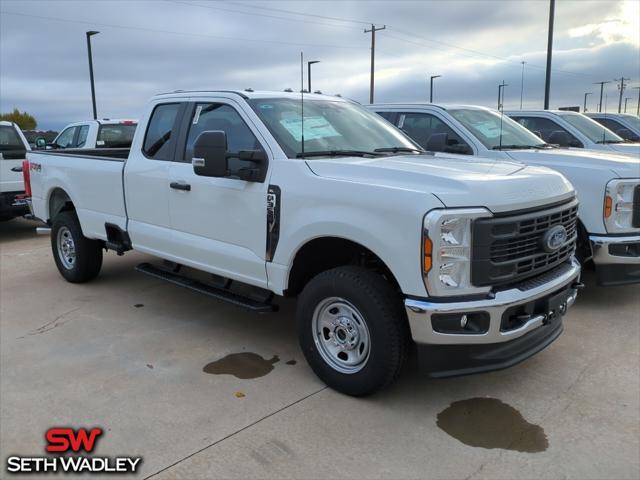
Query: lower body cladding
[465, 337]
[617, 259]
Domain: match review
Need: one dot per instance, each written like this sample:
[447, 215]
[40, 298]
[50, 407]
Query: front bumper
[617, 259]
[519, 322]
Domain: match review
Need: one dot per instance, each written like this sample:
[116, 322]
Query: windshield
[115, 135]
[591, 129]
[485, 125]
[9, 139]
[329, 126]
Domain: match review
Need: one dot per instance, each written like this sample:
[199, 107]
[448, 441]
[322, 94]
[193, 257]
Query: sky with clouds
[148, 47]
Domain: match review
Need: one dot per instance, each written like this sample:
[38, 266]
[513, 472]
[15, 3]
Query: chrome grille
[509, 249]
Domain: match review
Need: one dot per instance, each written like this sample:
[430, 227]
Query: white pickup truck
[624, 125]
[608, 185]
[574, 130]
[244, 199]
[105, 133]
[13, 151]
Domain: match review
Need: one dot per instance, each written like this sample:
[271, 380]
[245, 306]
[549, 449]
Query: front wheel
[77, 257]
[353, 330]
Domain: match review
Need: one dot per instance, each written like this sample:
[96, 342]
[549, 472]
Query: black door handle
[17, 169]
[180, 186]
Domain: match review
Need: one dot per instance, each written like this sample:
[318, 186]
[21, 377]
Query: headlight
[446, 251]
[618, 206]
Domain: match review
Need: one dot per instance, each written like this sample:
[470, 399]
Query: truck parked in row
[243, 197]
[608, 185]
[573, 130]
[624, 125]
[13, 151]
[91, 134]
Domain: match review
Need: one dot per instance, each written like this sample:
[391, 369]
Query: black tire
[88, 253]
[383, 313]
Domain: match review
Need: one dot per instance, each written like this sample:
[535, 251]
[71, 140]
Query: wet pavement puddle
[490, 423]
[244, 365]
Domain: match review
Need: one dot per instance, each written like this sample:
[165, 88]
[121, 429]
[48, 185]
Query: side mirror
[210, 154]
[41, 142]
[437, 142]
[559, 137]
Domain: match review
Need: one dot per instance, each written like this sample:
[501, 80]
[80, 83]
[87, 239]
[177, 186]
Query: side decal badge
[273, 220]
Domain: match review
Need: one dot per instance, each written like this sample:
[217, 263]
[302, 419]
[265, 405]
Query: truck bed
[92, 179]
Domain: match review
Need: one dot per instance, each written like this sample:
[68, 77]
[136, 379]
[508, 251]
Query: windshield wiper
[514, 147]
[336, 153]
[609, 141]
[399, 149]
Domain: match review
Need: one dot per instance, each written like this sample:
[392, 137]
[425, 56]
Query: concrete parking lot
[128, 353]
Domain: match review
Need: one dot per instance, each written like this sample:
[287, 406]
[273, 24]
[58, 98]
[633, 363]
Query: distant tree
[22, 119]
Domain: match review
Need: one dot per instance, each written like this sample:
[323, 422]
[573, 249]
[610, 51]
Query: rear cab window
[117, 135]
[11, 145]
[159, 140]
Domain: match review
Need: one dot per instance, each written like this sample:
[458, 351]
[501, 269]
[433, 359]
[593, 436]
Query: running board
[211, 291]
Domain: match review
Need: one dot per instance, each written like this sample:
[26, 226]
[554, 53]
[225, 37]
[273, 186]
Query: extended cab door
[146, 179]
[219, 224]
[13, 150]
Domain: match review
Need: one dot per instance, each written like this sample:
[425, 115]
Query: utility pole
[638, 107]
[621, 87]
[522, 84]
[547, 82]
[373, 31]
[601, 92]
[584, 108]
[93, 88]
[625, 103]
[501, 95]
[309, 71]
[431, 87]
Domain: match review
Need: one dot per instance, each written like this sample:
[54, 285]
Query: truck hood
[597, 160]
[632, 149]
[456, 180]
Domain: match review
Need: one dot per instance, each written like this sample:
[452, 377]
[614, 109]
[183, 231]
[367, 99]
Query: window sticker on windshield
[99, 142]
[314, 128]
[196, 116]
[489, 129]
[266, 106]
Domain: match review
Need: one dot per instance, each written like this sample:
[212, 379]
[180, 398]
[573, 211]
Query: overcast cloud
[147, 47]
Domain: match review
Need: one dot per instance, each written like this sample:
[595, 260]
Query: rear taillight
[26, 176]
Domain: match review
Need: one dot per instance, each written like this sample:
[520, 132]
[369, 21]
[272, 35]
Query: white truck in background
[470, 259]
[13, 151]
[624, 125]
[573, 130]
[105, 133]
[608, 185]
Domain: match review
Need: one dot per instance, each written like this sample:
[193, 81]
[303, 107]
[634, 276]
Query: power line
[172, 32]
[281, 10]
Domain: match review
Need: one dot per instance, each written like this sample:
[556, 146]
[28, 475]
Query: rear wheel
[77, 257]
[353, 330]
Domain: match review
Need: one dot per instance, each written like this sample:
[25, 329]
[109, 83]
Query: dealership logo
[554, 239]
[68, 444]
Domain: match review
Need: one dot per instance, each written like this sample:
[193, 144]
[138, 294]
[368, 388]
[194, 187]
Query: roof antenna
[302, 99]
[604, 130]
[501, 106]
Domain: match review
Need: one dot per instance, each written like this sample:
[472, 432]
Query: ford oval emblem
[554, 238]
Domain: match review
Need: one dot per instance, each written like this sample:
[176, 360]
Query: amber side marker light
[427, 250]
[608, 203]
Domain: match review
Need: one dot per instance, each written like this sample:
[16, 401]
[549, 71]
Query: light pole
[309, 72]
[547, 81]
[626, 99]
[93, 88]
[638, 107]
[431, 87]
[584, 108]
[522, 84]
[601, 92]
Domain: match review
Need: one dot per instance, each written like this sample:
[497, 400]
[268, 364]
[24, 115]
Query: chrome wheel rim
[341, 335]
[66, 248]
